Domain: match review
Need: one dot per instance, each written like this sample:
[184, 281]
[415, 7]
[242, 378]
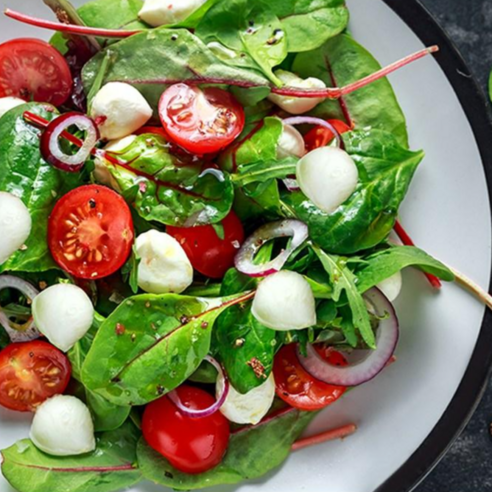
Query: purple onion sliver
[311, 120]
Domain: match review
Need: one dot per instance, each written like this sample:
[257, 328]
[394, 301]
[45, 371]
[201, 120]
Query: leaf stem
[329, 435]
[472, 287]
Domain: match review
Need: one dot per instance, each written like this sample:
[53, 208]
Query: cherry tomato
[208, 253]
[297, 387]
[155, 130]
[200, 121]
[190, 445]
[90, 232]
[33, 70]
[30, 373]
[319, 136]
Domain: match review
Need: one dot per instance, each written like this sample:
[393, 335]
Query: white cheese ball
[391, 287]
[284, 301]
[8, 103]
[121, 110]
[290, 143]
[249, 408]
[297, 105]
[63, 313]
[164, 266]
[327, 176]
[164, 12]
[62, 426]
[15, 225]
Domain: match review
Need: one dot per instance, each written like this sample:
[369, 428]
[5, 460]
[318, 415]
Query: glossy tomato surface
[190, 445]
[90, 232]
[210, 254]
[200, 121]
[30, 373]
[319, 136]
[33, 70]
[297, 387]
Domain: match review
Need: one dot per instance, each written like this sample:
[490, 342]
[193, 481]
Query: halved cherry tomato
[155, 130]
[190, 445]
[30, 373]
[200, 121]
[297, 387]
[319, 136]
[208, 253]
[33, 70]
[90, 232]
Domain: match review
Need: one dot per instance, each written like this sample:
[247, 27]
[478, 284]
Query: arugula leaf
[252, 452]
[168, 191]
[383, 264]
[150, 345]
[341, 61]
[109, 468]
[368, 215]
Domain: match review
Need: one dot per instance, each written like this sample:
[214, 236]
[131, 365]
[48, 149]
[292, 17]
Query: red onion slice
[30, 332]
[285, 228]
[50, 141]
[311, 120]
[205, 412]
[372, 362]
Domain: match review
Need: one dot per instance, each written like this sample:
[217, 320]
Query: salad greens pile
[237, 45]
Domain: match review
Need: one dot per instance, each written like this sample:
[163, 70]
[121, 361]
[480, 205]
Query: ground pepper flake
[205, 325]
[258, 368]
[119, 329]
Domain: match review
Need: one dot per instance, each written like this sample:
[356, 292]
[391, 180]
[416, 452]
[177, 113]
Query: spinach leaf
[383, 264]
[24, 173]
[368, 215]
[264, 205]
[168, 191]
[264, 171]
[341, 61]
[252, 452]
[109, 468]
[155, 59]
[150, 345]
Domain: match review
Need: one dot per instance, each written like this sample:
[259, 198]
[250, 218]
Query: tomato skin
[32, 69]
[319, 136]
[190, 445]
[90, 232]
[25, 374]
[207, 253]
[200, 121]
[155, 130]
[297, 387]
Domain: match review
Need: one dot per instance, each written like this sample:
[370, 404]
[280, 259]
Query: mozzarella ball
[327, 176]
[63, 313]
[391, 287]
[297, 105]
[284, 301]
[62, 426]
[121, 110]
[249, 408]
[15, 225]
[8, 103]
[290, 143]
[164, 12]
[164, 266]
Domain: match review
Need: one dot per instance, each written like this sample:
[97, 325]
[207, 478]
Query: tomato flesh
[190, 445]
[200, 121]
[207, 252]
[319, 136]
[33, 70]
[297, 387]
[90, 232]
[30, 373]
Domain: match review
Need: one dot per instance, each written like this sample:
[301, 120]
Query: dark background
[467, 466]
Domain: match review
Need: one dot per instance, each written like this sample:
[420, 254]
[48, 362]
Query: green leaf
[252, 452]
[384, 264]
[109, 468]
[150, 345]
[342, 59]
[130, 270]
[265, 205]
[343, 280]
[265, 171]
[368, 215]
[25, 174]
[167, 190]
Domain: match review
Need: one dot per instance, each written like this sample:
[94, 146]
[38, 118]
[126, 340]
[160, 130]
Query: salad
[199, 237]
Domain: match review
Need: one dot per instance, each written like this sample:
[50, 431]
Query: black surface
[467, 467]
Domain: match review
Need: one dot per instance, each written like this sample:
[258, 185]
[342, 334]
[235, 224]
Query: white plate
[447, 212]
